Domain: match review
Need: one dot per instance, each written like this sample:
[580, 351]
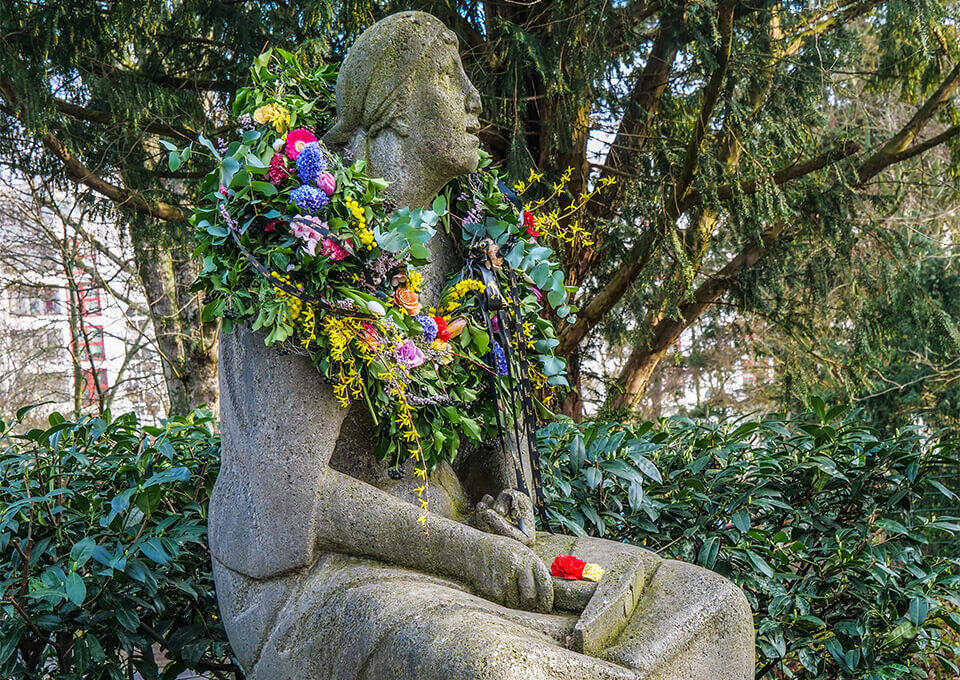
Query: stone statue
[321, 568]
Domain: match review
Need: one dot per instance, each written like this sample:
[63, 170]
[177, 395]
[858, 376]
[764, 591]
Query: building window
[25, 301]
[89, 301]
[51, 300]
[94, 340]
[52, 338]
[94, 382]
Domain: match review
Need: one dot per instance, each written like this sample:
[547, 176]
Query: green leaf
[646, 466]
[152, 549]
[578, 454]
[76, 589]
[892, 526]
[707, 556]
[173, 161]
[82, 551]
[635, 495]
[228, 168]
[265, 189]
[128, 618]
[918, 610]
[758, 562]
[741, 520]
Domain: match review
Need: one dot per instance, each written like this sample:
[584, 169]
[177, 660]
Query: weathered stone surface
[610, 606]
[321, 569]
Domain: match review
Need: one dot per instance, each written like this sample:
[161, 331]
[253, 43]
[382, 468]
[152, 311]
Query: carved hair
[373, 86]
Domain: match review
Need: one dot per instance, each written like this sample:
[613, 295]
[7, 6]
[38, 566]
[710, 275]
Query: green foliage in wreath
[302, 244]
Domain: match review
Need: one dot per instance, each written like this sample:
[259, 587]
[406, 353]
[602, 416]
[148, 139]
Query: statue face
[446, 107]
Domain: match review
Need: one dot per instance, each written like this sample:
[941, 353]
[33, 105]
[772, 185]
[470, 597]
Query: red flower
[568, 567]
[442, 332]
[278, 169]
[270, 226]
[530, 222]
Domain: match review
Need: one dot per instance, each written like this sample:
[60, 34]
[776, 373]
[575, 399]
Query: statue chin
[301, 506]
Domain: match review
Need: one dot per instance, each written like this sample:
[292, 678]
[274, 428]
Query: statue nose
[473, 103]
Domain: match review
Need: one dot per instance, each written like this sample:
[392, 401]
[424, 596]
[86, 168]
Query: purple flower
[409, 355]
[311, 163]
[429, 326]
[309, 199]
[497, 359]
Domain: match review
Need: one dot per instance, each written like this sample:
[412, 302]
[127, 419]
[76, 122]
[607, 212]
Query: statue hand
[511, 574]
[511, 515]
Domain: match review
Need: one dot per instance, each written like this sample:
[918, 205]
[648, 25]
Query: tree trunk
[634, 378]
[188, 348]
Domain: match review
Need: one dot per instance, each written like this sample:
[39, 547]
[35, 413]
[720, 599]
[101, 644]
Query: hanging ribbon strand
[515, 394]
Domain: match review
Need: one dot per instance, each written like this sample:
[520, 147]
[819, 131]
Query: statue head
[405, 104]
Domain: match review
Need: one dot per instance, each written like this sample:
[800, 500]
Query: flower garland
[343, 277]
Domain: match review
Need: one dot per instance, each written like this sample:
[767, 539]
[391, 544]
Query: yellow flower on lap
[592, 572]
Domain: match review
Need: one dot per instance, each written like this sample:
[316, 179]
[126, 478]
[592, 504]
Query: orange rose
[407, 300]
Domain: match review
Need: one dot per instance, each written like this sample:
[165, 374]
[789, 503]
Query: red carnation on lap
[568, 567]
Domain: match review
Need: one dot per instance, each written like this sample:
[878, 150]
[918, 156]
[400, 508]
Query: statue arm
[358, 519]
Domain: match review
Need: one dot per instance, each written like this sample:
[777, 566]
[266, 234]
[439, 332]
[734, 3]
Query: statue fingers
[526, 587]
[544, 581]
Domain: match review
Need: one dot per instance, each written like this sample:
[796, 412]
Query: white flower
[278, 144]
[376, 308]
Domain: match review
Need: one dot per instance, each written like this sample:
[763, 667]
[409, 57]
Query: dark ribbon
[510, 337]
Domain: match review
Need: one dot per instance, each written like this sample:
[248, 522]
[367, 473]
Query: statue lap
[355, 619]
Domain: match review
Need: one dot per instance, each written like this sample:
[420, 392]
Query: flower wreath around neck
[302, 245]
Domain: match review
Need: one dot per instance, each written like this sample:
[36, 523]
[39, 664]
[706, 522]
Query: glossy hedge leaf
[75, 588]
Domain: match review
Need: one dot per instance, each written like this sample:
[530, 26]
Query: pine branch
[892, 151]
[79, 173]
[91, 116]
[708, 102]
[786, 174]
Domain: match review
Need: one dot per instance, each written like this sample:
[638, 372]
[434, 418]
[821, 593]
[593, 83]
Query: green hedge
[816, 518]
[102, 549]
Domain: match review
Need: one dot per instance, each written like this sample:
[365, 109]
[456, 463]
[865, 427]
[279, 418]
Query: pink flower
[370, 334]
[327, 182]
[536, 291]
[300, 227]
[333, 250]
[409, 355]
[296, 140]
[278, 169]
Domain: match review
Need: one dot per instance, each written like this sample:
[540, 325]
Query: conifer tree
[734, 128]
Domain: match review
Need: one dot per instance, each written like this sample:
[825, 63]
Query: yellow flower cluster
[414, 280]
[273, 114]
[521, 186]
[539, 381]
[461, 289]
[341, 333]
[300, 316]
[561, 223]
[364, 234]
[444, 347]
